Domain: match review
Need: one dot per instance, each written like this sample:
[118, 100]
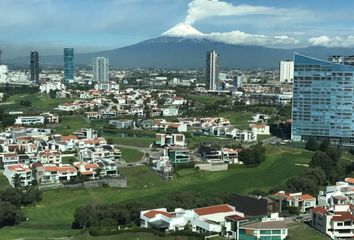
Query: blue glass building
[323, 101]
[68, 64]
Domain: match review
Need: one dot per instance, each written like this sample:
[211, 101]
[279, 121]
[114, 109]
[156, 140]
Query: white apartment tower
[212, 70]
[100, 66]
[286, 71]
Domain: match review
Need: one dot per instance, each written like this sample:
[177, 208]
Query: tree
[321, 159]
[325, 145]
[16, 180]
[312, 144]
[253, 155]
[10, 214]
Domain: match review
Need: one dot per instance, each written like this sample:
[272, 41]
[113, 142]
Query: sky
[92, 25]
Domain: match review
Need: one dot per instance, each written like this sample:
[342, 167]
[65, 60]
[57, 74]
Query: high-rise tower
[212, 70]
[68, 65]
[34, 67]
[100, 67]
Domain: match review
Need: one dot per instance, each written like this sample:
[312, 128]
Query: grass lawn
[300, 231]
[53, 216]
[4, 183]
[239, 119]
[68, 124]
[194, 141]
[131, 155]
[69, 160]
[40, 102]
[130, 141]
[201, 99]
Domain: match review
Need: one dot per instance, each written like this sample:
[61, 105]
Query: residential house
[341, 193]
[29, 120]
[169, 112]
[303, 201]
[7, 159]
[53, 174]
[210, 152]
[336, 221]
[162, 166]
[260, 129]
[176, 128]
[87, 169]
[24, 173]
[178, 155]
[272, 227]
[212, 219]
[121, 124]
[93, 115]
[163, 139]
[230, 155]
[49, 157]
[50, 117]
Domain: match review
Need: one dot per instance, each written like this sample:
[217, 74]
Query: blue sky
[90, 25]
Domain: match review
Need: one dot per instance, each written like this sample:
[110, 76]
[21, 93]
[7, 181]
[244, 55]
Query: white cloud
[200, 9]
[233, 37]
[338, 41]
[242, 38]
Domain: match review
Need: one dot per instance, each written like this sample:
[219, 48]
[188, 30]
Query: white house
[49, 157]
[29, 120]
[52, 85]
[203, 220]
[341, 193]
[260, 129]
[336, 221]
[169, 112]
[22, 170]
[304, 201]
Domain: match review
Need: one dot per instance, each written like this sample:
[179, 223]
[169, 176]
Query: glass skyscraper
[34, 67]
[323, 101]
[68, 64]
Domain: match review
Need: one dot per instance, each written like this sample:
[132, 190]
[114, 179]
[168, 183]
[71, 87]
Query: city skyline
[236, 22]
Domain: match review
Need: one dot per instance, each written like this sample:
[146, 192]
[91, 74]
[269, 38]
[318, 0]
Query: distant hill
[180, 52]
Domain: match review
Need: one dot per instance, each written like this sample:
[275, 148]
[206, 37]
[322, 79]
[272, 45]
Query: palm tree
[16, 180]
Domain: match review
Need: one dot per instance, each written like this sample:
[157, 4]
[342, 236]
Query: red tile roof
[320, 210]
[307, 197]
[67, 169]
[213, 209]
[17, 168]
[343, 216]
[236, 218]
[153, 213]
[349, 180]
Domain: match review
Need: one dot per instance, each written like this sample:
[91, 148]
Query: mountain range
[184, 47]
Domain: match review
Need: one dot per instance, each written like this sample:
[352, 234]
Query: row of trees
[110, 215]
[11, 201]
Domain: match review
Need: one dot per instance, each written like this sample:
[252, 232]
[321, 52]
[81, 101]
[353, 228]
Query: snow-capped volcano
[182, 30]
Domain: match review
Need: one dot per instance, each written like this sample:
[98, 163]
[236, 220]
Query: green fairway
[131, 155]
[300, 231]
[40, 102]
[53, 216]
